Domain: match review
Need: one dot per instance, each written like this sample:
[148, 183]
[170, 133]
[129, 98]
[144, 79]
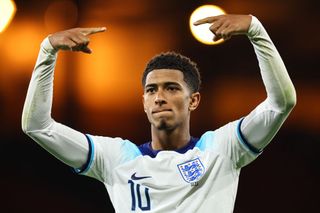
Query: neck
[170, 139]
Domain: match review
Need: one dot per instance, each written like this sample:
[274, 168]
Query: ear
[143, 103]
[194, 101]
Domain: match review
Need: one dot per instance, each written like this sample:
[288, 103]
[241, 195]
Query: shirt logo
[134, 177]
[192, 170]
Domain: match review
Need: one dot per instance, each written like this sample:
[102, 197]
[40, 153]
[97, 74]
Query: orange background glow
[101, 94]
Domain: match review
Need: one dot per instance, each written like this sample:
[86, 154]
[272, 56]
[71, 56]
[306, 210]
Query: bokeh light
[7, 11]
[202, 32]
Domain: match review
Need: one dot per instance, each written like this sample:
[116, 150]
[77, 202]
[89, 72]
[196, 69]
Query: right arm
[64, 143]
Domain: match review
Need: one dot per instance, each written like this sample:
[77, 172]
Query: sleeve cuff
[88, 164]
[244, 142]
[47, 47]
[255, 27]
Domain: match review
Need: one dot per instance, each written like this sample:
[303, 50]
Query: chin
[164, 125]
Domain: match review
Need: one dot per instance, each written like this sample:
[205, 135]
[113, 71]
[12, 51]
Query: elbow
[25, 130]
[24, 123]
[286, 103]
[25, 119]
[291, 103]
[25, 126]
[29, 124]
[291, 100]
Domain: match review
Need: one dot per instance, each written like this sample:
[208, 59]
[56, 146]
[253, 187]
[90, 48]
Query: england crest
[192, 170]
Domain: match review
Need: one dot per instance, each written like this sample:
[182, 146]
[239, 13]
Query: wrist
[47, 46]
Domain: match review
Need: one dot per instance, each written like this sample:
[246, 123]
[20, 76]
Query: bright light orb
[202, 32]
[7, 11]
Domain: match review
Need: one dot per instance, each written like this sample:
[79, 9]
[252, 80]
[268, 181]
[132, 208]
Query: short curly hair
[175, 61]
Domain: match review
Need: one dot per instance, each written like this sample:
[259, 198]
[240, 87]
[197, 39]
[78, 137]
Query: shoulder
[218, 137]
[115, 146]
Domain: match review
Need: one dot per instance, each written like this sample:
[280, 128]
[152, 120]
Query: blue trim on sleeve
[205, 141]
[131, 151]
[87, 165]
[244, 141]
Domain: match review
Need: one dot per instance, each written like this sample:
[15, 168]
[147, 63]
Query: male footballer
[174, 172]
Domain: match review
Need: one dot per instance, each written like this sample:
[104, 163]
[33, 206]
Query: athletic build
[174, 172]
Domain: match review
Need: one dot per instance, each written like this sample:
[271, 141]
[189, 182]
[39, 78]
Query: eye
[150, 90]
[172, 88]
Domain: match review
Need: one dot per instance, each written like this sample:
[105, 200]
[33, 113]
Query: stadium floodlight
[202, 32]
[7, 11]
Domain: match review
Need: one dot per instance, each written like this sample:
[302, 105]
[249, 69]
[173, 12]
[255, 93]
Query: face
[168, 100]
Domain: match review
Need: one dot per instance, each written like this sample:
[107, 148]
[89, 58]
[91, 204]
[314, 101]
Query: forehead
[165, 75]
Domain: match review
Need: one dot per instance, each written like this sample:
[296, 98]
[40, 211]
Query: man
[174, 172]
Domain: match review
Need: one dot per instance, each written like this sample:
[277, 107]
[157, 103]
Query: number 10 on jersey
[136, 195]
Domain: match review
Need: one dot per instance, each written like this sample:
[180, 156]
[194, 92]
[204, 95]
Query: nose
[159, 99]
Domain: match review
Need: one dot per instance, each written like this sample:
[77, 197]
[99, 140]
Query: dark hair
[176, 61]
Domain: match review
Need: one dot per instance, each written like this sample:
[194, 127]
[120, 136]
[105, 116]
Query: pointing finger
[90, 31]
[206, 20]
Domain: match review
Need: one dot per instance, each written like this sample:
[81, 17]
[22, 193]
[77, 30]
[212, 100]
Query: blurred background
[101, 93]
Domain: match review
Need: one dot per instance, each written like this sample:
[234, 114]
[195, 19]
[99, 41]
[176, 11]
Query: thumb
[86, 49]
[216, 38]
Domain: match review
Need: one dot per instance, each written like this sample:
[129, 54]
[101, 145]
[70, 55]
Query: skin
[171, 129]
[225, 26]
[76, 39]
[165, 90]
[168, 103]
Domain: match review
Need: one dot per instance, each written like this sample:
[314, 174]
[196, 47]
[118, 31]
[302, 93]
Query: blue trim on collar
[146, 148]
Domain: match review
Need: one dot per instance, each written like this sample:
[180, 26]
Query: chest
[169, 180]
[170, 169]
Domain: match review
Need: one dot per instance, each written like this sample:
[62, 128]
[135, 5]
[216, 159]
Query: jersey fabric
[200, 177]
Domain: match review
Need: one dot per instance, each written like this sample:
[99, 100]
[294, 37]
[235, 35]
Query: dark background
[100, 94]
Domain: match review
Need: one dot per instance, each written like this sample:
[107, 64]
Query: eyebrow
[165, 84]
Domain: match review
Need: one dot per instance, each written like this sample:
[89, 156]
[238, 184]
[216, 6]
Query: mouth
[161, 110]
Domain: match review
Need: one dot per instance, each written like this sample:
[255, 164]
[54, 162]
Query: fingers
[93, 30]
[217, 26]
[68, 45]
[76, 39]
[82, 40]
[225, 26]
[86, 49]
[206, 20]
[223, 31]
[220, 26]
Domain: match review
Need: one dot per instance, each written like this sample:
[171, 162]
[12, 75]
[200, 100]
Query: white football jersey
[201, 177]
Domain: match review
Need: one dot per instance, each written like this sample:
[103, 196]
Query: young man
[174, 172]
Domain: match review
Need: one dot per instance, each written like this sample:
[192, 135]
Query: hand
[225, 26]
[76, 39]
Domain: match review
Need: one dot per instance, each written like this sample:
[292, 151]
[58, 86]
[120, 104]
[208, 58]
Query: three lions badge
[192, 170]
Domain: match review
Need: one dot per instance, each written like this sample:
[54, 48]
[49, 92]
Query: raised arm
[66, 144]
[261, 125]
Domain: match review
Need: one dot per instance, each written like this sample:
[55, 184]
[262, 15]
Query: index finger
[206, 20]
[92, 30]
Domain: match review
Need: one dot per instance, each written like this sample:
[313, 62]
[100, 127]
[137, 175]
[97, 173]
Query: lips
[161, 110]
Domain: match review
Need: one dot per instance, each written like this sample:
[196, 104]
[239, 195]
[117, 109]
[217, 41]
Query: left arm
[261, 125]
